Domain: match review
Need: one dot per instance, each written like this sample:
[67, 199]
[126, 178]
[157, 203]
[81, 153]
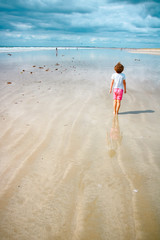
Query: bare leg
[115, 107]
[118, 105]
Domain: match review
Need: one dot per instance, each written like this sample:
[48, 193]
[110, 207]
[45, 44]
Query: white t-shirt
[118, 80]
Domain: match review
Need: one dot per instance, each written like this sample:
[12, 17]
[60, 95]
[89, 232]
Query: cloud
[21, 26]
[105, 23]
[54, 6]
[151, 7]
[133, 1]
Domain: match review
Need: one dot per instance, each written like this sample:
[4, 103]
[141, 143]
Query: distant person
[118, 84]
[56, 51]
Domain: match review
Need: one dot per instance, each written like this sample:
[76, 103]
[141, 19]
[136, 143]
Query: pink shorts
[117, 94]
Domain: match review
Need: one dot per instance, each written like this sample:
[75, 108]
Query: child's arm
[111, 85]
[124, 84]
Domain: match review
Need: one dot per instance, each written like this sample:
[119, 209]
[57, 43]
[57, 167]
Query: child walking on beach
[118, 84]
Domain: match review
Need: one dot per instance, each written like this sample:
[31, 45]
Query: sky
[93, 23]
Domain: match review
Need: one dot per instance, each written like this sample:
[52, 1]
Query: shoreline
[3, 49]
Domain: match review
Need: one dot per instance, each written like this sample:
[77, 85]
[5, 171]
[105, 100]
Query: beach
[69, 168]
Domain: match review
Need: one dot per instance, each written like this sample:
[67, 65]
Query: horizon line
[79, 47]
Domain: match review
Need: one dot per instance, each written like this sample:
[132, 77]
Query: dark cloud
[133, 1]
[154, 10]
[60, 6]
[151, 7]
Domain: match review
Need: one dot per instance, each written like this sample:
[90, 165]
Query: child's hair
[119, 67]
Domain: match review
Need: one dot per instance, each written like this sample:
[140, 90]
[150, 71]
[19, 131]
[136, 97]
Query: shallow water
[69, 169]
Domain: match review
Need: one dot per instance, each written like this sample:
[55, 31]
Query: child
[118, 84]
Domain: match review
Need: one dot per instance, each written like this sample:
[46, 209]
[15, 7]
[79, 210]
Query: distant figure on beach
[56, 51]
[118, 84]
[114, 138]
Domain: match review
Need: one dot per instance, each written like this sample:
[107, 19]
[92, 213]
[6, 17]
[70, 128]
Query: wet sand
[71, 170]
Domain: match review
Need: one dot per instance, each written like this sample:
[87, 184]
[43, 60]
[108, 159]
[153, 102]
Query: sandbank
[153, 51]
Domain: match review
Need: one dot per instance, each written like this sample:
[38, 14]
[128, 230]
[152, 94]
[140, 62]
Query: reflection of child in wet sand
[118, 84]
[114, 139]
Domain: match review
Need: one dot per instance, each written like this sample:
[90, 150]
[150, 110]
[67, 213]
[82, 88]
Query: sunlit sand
[152, 51]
